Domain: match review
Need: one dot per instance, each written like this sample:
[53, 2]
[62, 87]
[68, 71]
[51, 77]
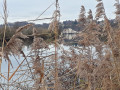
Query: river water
[24, 69]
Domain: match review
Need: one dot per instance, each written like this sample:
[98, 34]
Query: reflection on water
[48, 62]
[28, 42]
[27, 49]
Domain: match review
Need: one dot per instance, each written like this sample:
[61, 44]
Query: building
[69, 33]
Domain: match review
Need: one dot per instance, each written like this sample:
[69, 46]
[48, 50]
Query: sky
[22, 10]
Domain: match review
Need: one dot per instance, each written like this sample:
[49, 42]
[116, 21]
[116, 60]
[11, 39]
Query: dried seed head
[100, 11]
[90, 16]
[82, 17]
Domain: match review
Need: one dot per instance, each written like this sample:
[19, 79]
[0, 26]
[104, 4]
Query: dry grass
[95, 65]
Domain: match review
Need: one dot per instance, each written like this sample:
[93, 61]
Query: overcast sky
[20, 10]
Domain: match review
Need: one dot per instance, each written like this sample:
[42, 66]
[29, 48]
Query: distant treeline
[43, 28]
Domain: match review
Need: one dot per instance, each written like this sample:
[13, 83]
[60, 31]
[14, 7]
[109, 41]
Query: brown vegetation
[93, 66]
